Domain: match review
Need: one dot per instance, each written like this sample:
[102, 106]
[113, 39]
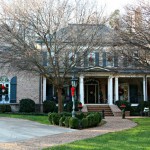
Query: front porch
[109, 89]
[104, 89]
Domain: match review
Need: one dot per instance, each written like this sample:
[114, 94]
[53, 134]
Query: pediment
[97, 68]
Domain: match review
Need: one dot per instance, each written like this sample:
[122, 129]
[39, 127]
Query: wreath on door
[121, 91]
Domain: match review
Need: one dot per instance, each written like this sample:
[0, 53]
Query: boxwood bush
[27, 105]
[68, 106]
[55, 118]
[80, 115]
[74, 123]
[5, 108]
[50, 117]
[62, 121]
[80, 121]
[84, 123]
[67, 121]
[49, 106]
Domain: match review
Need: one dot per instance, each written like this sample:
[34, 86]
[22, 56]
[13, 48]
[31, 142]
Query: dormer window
[91, 59]
[110, 59]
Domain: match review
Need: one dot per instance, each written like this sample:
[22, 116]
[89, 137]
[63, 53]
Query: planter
[127, 113]
[80, 107]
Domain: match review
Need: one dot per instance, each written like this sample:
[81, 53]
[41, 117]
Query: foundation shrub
[74, 123]
[84, 122]
[68, 106]
[55, 118]
[80, 115]
[5, 108]
[65, 114]
[49, 106]
[27, 105]
[98, 116]
[96, 119]
[66, 122]
[90, 120]
[62, 121]
[50, 117]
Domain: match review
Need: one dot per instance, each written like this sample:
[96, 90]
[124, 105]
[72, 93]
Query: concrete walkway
[59, 135]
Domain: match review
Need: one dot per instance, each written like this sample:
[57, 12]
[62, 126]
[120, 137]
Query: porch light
[73, 88]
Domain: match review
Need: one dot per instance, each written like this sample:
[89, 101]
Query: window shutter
[96, 58]
[13, 90]
[44, 58]
[125, 62]
[115, 60]
[78, 59]
[85, 59]
[104, 59]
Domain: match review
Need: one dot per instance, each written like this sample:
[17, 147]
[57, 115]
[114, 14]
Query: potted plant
[123, 106]
[80, 106]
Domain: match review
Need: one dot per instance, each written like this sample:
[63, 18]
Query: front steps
[100, 108]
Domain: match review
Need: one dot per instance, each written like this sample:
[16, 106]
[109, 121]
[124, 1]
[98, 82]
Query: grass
[36, 118]
[137, 138]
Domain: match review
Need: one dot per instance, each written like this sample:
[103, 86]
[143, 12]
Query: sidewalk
[113, 124]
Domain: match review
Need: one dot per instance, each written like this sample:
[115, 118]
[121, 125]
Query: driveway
[13, 130]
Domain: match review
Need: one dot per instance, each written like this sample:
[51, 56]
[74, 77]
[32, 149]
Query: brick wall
[27, 84]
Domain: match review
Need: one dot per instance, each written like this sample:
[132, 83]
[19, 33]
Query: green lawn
[37, 118]
[137, 138]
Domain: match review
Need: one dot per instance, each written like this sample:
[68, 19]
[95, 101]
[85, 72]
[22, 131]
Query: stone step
[100, 108]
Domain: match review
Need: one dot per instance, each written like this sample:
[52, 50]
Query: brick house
[103, 78]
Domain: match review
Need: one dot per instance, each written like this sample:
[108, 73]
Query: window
[91, 59]
[109, 59]
[4, 90]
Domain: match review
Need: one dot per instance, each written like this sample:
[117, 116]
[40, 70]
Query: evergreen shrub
[62, 121]
[49, 106]
[67, 122]
[74, 123]
[5, 108]
[55, 118]
[84, 122]
[27, 105]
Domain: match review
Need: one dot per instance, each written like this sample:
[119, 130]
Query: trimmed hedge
[68, 106]
[50, 118]
[84, 122]
[80, 121]
[27, 105]
[61, 121]
[66, 114]
[49, 106]
[55, 118]
[80, 115]
[66, 122]
[74, 123]
[5, 108]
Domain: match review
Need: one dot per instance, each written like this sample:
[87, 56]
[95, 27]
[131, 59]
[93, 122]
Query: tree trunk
[60, 105]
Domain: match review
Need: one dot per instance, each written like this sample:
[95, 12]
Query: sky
[111, 5]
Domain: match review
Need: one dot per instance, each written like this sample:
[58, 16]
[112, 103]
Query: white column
[81, 80]
[144, 88]
[116, 89]
[110, 91]
[108, 87]
[44, 88]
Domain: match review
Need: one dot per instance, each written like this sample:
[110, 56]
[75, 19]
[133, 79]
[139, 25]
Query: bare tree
[134, 33]
[49, 38]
